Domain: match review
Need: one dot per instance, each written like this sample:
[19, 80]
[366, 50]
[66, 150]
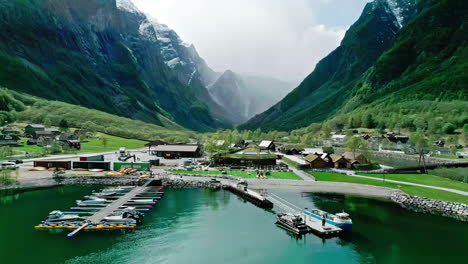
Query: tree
[420, 142]
[104, 141]
[355, 143]
[448, 128]
[63, 124]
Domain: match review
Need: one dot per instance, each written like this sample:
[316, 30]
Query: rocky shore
[453, 210]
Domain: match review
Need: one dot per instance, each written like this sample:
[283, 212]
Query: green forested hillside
[420, 81]
[24, 107]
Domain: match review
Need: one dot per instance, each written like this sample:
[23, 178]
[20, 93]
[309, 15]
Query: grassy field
[110, 143]
[103, 144]
[245, 174]
[424, 179]
[412, 190]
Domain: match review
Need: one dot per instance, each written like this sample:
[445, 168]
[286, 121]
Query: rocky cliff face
[107, 55]
[329, 85]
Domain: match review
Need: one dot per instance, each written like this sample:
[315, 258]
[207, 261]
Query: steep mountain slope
[329, 85]
[246, 95]
[421, 82]
[102, 54]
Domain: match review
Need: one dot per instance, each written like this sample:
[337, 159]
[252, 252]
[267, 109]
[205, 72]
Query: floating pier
[314, 224]
[141, 197]
[249, 195]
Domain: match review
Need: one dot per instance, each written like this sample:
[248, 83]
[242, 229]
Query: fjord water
[202, 226]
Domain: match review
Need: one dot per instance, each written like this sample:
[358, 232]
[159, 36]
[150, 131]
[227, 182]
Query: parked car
[9, 165]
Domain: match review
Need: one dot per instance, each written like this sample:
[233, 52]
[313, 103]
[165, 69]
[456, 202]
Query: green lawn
[424, 179]
[244, 174]
[412, 190]
[112, 143]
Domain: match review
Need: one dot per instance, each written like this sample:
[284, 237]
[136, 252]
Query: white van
[9, 165]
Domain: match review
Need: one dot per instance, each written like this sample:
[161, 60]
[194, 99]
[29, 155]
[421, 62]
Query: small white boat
[141, 201]
[90, 200]
[341, 220]
[59, 216]
[117, 189]
[105, 194]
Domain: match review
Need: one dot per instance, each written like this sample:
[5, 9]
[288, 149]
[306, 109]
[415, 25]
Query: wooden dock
[116, 204]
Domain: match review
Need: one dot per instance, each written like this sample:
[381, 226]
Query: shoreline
[452, 210]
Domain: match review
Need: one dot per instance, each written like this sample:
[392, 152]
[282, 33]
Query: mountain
[247, 95]
[325, 90]
[106, 55]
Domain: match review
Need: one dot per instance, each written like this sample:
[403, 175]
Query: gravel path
[353, 174]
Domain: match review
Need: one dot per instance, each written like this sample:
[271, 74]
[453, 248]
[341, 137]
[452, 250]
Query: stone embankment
[457, 211]
[181, 183]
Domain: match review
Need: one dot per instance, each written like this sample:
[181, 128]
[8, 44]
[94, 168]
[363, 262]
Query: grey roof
[36, 126]
[177, 148]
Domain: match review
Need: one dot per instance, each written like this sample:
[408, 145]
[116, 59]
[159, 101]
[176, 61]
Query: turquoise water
[202, 226]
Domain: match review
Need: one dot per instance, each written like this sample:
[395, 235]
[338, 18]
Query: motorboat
[137, 201]
[292, 223]
[90, 200]
[341, 220]
[128, 215]
[120, 189]
[105, 194]
[59, 216]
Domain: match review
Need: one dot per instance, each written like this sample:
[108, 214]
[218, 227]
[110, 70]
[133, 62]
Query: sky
[283, 39]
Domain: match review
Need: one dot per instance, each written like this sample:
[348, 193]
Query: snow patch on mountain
[127, 5]
[397, 11]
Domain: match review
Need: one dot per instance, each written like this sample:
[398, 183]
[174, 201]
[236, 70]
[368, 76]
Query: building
[54, 131]
[74, 144]
[338, 140]
[316, 161]
[67, 136]
[8, 131]
[266, 144]
[339, 162]
[29, 130]
[9, 140]
[220, 143]
[178, 151]
[42, 133]
[356, 156]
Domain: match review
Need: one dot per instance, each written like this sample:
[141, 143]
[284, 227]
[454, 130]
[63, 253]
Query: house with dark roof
[67, 136]
[9, 140]
[42, 133]
[8, 131]
[178, 151]
[30, 130]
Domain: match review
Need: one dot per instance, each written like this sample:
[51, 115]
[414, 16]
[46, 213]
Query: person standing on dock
[323, 220]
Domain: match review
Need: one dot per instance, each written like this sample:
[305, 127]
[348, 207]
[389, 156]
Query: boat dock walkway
[116, 204]
[314, 224]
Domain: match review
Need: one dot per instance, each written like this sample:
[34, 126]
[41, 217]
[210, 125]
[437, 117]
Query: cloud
[277, 38]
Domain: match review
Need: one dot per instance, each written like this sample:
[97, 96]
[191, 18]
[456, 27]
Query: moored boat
[90, 200]
[341, 220]
[59, 216]
[292, 223]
